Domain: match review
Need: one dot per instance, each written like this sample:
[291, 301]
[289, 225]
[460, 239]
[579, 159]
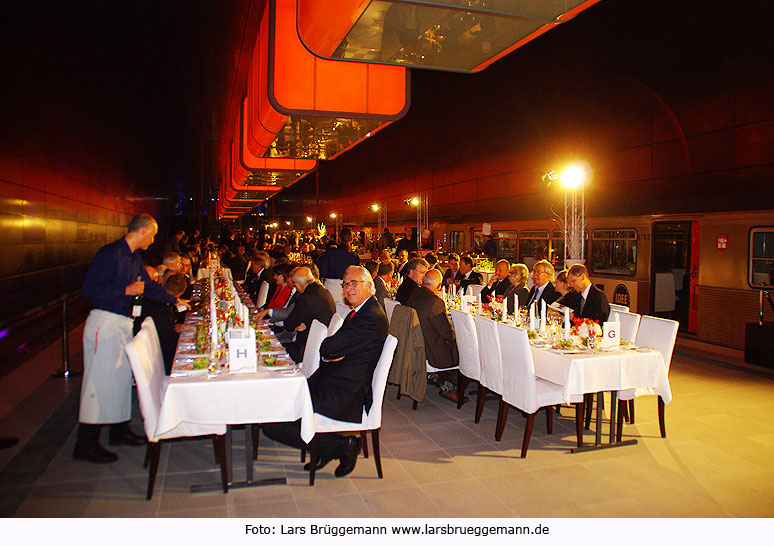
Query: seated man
[164, 317]
[341, 387]
[499, 282]
[383, 276]
[452, 273]
[313, 302]
[440, 343]
[415, 271]
[591, 302]
[542, 287]
[277, 316]
[403, 259]
[467, 275]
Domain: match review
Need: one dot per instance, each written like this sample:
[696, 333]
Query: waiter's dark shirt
[112, 269]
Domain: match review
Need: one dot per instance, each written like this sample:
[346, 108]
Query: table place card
[241, 351]
[611, 334]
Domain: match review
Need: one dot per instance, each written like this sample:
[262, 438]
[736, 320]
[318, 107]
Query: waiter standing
[116, 275]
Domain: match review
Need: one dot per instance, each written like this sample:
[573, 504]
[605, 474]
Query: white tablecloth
[262, 397]
[614, 371]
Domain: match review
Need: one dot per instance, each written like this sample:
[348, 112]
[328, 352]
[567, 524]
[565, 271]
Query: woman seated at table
[562, 285]
[517, 275]
[283, 289]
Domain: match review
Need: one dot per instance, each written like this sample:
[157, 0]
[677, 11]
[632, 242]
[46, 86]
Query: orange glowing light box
[451, 35]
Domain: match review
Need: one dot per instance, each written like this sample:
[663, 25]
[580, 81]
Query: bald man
[440, 343]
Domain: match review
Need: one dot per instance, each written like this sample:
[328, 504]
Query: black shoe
[93, 453]
[5, 443]
[348, 458]
[125, 437]
[321, 462]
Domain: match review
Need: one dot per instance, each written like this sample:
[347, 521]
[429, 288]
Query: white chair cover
[373, 419]
[334, 287]
[489, 353]
[343, 309]
[521, 388]
[474, 289]
[311, 361]
[263, 294]
[630, 323]
[467, 344]
[336, 322]
[619, 308]
[659, 334]
[389, 307]
[147, 363]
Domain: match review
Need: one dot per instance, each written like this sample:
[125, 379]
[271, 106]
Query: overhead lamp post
[337, 218]
[422, 204]
[381, 220]
[573, 179]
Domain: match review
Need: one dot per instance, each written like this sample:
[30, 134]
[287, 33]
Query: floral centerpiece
[587, 330]
[485, 264]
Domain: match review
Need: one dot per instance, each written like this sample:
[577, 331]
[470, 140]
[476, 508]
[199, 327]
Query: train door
[674, 271]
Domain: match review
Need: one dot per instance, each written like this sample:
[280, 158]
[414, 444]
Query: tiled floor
[716, 462]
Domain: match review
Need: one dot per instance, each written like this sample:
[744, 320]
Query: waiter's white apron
[106, 390]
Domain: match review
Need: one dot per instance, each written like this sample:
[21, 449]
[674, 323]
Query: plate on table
[183, 367]
[277, 363]
[567, 351]
[643, 349]
[186, 354]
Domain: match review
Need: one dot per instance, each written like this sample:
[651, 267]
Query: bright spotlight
[333, 215]
[573, 176]
[375, 207]
[287, 222]
[309, 219]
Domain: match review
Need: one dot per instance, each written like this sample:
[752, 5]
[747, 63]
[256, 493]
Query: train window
[457, 241]
[614, 251]
[533, 247]
[506, 245]
[761, 265]
[478, 240]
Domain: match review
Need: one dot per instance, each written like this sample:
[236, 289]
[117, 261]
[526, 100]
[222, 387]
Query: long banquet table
[598, 372]
[193, 398]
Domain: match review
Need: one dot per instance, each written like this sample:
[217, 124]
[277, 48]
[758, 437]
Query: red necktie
[351, 314]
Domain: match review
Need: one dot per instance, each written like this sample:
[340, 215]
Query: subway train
[704, 270]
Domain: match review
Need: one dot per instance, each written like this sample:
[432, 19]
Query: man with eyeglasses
[341, 386]
[313, 302]
[415, 274]
[543, 287]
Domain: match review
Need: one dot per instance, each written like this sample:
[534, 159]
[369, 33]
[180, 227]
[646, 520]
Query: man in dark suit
[592, 302]
[452, 273]
[313, 302]
[383, 276]
[402, 263]
[440, 343]
[257, 274]
[499, 282]
[542, 288]
[415, 273]
[467, 275]
[341, 386]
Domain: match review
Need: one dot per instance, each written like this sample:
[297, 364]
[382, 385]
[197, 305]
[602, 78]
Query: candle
[532, 317]
[478, 299]
[443, 293]
[566, 323]
[505, 310]
[542, 315]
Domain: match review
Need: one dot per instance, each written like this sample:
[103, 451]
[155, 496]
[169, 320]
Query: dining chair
[370, 422]
[336, 321]
[311, 359]
[343, 309]
[659, 334]
[522, 389]
[389, 307]
[491, 378]
[263, 294]
[474, 289]
[467, 345]
[619, 308]
[147, 363]
[630, 323]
